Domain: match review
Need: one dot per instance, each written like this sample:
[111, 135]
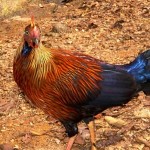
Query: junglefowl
[71, 86]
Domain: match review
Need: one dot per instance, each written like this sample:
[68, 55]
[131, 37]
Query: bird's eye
[26, 32]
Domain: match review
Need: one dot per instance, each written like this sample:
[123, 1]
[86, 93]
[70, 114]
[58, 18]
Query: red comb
[32, 21]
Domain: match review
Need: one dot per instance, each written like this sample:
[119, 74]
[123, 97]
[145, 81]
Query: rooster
[72, 86]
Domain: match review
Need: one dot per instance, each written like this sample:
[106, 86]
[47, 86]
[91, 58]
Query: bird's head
[32, 35]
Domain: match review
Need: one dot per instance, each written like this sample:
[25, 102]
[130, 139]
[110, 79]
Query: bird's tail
[140, 70]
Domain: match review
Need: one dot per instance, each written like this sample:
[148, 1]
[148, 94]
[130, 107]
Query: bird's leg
[70, 142]
[72, 131]
[91, 126]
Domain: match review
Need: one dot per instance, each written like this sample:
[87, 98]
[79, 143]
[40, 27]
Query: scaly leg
[70, 142]
[91, 126]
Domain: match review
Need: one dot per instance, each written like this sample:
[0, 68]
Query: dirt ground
[111, 30]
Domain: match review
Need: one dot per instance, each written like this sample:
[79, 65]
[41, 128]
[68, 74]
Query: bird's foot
[70, 142]
[93, 146]
[91, 126]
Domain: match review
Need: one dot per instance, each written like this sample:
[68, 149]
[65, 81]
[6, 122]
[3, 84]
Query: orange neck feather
[56, 80]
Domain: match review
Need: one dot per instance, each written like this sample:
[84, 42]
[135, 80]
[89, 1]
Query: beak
[35, 43]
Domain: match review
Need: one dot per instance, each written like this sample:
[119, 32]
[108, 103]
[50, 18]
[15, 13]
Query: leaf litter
[113, 31]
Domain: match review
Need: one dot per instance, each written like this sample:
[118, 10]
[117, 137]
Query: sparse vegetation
[8, 7]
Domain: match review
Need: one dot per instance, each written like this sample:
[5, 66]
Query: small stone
[85, 134]
[79, 140]
[16, 147]
[57, 141]
[41, 6]
[6, 146]
[59, 27]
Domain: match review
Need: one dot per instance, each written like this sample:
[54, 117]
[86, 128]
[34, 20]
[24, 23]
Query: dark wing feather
[117, 88]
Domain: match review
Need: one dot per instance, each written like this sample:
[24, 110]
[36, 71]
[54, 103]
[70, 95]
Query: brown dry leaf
[27, 138]
[144, 141]
[37, 132]
[5, 106]
[115, 45]
[142, 113]
[40, 129]
[126, 128]
[115, 122]
[6, 146]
